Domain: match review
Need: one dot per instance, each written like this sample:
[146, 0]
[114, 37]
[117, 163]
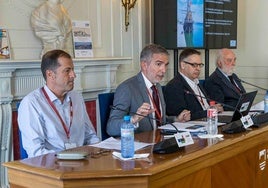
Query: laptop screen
[242, 108]
[244, 104]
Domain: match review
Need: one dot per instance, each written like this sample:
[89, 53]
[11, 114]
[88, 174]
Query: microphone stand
[209, 99]
[251, 84]
[165, 146]
[116, 108]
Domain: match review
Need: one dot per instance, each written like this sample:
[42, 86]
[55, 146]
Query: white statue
[52, 25]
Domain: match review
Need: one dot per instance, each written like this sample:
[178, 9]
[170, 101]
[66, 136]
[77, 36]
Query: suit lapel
[226, 81]
[144, 92]
[204, 92]
[185, 84]
[239, 83]
[188, 88]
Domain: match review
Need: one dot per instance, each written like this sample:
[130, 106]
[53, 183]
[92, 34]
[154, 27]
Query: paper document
[136, 156]
[226, 113]
[115, 144]
[191, 126]
[257, 107]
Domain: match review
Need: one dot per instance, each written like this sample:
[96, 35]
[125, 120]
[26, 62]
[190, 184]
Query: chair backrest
[23, 153]
[201, 82]
[105, 101]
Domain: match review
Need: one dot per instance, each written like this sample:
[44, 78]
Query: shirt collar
[53, 97]
[147, 82]
[189, 81]
[223, 73]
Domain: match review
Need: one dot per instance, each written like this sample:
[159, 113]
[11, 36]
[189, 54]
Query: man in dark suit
[183, 91]
[135, 96]
[223, 85]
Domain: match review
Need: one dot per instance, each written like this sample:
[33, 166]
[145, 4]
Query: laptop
[242, 108]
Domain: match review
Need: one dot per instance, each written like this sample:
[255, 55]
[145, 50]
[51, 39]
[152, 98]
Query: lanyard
[156, 110]
[67, 130]
[200, 96]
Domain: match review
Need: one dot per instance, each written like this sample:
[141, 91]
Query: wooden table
[240, 160]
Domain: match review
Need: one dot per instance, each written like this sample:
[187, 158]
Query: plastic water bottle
[127, 138]
[212, 119]
[266, 102]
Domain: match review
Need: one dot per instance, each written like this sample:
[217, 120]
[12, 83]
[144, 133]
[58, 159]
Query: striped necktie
[234, 84]
[156, 105]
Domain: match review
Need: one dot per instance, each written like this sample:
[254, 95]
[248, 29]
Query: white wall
[110, 38]
[252, 56]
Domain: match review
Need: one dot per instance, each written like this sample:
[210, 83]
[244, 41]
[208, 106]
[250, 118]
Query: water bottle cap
[126, 118]
[211, 103]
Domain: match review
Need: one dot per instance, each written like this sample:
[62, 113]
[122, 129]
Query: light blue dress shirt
[41, 129]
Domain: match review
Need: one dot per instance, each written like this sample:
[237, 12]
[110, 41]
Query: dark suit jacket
[177, 99]
[129, 96]
[219, 88]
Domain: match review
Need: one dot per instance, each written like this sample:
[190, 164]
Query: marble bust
[52, 24]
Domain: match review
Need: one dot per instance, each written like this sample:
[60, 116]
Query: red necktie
[156, 105]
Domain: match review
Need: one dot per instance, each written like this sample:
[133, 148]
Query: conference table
[237, 160]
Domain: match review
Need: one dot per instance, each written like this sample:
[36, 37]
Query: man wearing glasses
[183, 92]
[223, 85]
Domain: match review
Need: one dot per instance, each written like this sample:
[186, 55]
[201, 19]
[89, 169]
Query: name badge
[70, 145]
[184, 139]
[246, 121]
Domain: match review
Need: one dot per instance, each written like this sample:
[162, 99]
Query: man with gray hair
[223, 85]
[141, 96]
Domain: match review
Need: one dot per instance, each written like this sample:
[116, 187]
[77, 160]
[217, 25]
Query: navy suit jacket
[219, 88]
[129, 96]
[177, 99]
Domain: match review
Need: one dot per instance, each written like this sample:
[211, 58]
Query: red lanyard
[156, 110]
[67, 130]
[200, 97]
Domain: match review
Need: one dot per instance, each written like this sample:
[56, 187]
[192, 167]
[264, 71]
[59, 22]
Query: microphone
[133, 113]
[120, 109]
[166, 146]
[238, 79]
[258, 119]
[231, 127]
[209, 99]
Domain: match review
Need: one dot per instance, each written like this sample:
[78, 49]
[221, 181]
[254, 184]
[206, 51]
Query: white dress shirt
[41, 129]
[199, 94]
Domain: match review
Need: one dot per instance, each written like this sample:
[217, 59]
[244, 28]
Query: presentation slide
[220, 24]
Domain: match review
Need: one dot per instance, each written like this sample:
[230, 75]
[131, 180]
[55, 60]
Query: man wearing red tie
[223, 85]
[141, 96]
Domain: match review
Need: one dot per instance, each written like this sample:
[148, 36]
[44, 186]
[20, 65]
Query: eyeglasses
[195, 65]
[100, 153]
[230, 60]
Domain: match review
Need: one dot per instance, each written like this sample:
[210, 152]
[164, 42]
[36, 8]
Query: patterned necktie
[234, 84]
[156, 104]
[200, 95]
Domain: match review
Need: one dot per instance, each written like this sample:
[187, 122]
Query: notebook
[242, 108]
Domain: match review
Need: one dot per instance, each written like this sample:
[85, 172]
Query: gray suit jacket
[129, 96]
